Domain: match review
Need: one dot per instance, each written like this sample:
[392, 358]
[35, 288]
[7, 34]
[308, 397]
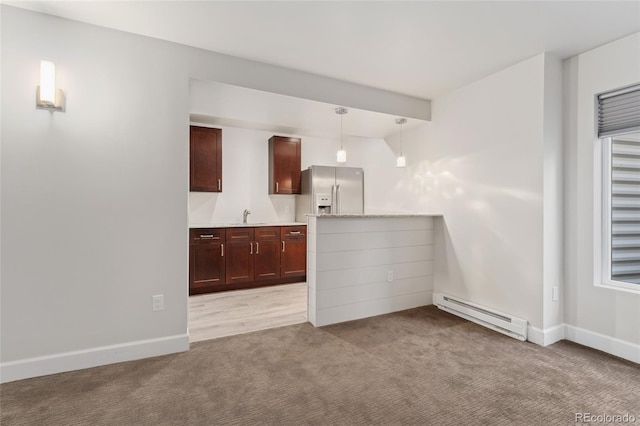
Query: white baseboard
[608, 344]
[77, 360]
[611, 345]
[547, 336]
[368, 308]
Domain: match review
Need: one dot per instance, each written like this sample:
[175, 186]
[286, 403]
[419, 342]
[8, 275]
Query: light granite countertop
[244, 225]
[355, 216]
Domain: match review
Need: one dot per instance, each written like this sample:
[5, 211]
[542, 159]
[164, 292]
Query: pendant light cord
[341, 147]
[401, 122]
[401, 137]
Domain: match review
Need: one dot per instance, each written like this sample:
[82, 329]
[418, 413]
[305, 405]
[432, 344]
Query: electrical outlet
[555, 294]
[390, 276]
[158, 302]
[286, 209]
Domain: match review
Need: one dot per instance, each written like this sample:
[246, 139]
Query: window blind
[625, 209]
[619, 111]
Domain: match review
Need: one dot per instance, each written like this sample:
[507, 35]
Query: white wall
[603, 318]
[553, 204]
[480, 163]
[94, 200]
[487, 153]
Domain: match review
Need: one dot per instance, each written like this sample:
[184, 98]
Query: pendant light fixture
[401, 161]
[341, 157]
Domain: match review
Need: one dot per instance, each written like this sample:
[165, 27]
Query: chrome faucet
[245, 213]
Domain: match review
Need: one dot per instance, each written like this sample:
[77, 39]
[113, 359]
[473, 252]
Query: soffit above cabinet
[226, 105]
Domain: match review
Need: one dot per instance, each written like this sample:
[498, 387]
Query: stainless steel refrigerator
[330, 190]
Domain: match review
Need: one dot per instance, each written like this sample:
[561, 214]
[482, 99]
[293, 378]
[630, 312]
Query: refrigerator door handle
[333, 200]
[338, 199]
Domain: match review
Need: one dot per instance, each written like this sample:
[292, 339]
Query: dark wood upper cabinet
[284, 165]
[205, 159]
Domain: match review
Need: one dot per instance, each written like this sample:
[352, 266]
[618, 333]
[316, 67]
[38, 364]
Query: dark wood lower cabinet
[239, 265]
[267, 253]
[294, 251]
[245, 257]
[206, 260]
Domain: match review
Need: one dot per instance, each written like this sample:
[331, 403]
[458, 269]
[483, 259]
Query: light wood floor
[227, 313]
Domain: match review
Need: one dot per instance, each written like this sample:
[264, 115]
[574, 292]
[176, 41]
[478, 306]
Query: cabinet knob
[277, 189]
[222, 250]
[283, 246]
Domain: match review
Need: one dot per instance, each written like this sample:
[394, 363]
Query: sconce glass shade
[47, 82]
[341, 157]
[401, 161]
[47, 96]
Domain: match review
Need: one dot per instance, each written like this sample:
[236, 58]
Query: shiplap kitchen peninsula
[364, 265]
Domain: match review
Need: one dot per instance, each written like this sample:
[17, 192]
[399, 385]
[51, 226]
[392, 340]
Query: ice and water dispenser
[323, 203]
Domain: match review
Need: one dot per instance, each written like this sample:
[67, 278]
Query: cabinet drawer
[265, 233]
[206, 235]
[293, 232]
[239, 234]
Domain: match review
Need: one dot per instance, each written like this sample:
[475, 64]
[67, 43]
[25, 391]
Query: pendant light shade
[401, 160]
[341, 156]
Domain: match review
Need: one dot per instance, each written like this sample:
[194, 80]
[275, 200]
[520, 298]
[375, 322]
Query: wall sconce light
[401, 161]
[341, 156]
[47, 96]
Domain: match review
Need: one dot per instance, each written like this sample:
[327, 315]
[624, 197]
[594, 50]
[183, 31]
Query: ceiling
[419, 48]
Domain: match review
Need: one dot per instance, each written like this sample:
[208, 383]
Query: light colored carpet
[416, 367]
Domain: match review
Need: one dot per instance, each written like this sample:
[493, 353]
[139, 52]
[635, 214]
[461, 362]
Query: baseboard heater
[502, 323]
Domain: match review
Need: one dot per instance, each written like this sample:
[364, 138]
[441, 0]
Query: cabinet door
[284, 165]
[206, 265]
[205, 159]
[206, 259]
[294, 251]
[267, 253]
[239, 254]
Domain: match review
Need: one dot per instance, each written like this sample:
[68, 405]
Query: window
[622, 210]
[619, 130]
